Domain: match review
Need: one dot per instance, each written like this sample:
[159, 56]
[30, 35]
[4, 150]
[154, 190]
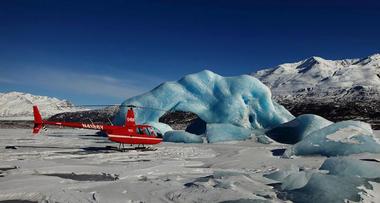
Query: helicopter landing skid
[121, 148]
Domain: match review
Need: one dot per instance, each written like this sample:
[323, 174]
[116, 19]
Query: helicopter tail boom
[38, 122]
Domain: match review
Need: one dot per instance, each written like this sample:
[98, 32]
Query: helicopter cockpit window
[156, 132]
[151, 132]
[147, 132]
[139, 131]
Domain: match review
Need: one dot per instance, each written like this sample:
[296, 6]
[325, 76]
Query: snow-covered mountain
[318, 79]
[334, 89]
[18, 105]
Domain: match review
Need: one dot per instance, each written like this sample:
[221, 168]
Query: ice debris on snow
[338, 139]
[338, 179]
[182, 136]
[298, 128]
[242, 101]
[220, 186]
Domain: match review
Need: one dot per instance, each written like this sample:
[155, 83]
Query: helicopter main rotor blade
[121, 105]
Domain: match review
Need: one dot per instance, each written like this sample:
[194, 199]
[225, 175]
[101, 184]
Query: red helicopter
[130, 133]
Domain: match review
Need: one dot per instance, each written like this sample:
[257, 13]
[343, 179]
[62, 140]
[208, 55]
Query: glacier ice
[342, 138]
[215, 132]
[351, 167]
[242, 101]
[298, 128]
[327, 188]
[291, 177]
[280, 175]
[182, 136]
[220, 132]
[296, 180]
[198, 127]
[161, 128]
[346, 179]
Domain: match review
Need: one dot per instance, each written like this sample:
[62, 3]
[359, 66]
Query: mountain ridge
[18, 105]
[335, 89]
[316, 77]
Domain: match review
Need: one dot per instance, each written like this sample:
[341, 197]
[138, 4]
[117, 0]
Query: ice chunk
[342, 138]
[296, 180]
[291, 177]
[327, 188]
[298, 128]
[242, 101]
[219, 132]
[280, 175]
[351, 167]
[260, 136]
[182, 136]
[347, 179]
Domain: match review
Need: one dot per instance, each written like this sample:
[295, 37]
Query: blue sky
[97, 52]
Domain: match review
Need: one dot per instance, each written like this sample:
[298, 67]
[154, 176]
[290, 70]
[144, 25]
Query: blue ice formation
[280, 175]
[215, 132]
[327, 188]
[338, 139]
[241, 101]
[182, 136]
[161, 128]
[226, 132]
[198, 127]
[298, 128]
[346, 179]
[351, 167]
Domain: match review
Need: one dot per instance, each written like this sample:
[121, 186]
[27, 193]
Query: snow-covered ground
[65, 165]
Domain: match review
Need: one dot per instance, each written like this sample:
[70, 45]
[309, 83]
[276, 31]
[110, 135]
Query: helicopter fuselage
[130, 133]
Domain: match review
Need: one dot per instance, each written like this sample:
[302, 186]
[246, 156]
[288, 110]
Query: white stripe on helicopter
[134, 137]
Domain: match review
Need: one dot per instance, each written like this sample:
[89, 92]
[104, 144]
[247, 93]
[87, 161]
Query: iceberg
[198, 127]
[219, 132]
[182, 136]
[351, 167]
[338, 139]
[241, 101]
[327, 188]
[160, 128]
[298, 128]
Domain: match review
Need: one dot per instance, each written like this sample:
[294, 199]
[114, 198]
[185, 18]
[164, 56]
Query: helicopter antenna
[110, 121]
[91, 121]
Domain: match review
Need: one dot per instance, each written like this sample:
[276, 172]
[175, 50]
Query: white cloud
[84, 83]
